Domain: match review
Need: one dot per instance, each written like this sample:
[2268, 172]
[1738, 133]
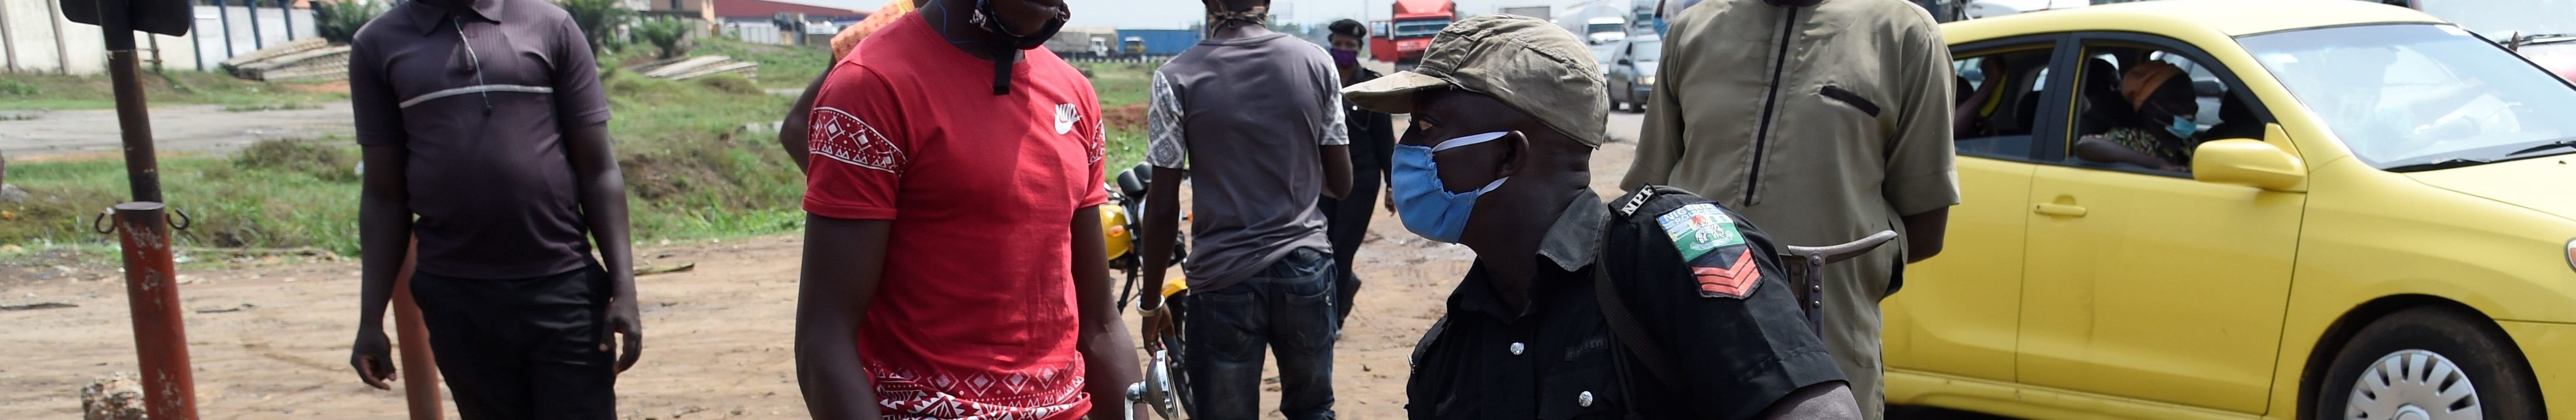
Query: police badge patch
[1699, 229]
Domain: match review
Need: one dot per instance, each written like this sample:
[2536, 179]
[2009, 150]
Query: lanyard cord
[1003, 54]
[468, 42]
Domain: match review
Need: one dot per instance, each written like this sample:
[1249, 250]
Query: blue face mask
[2183, 128]
[1428, 208]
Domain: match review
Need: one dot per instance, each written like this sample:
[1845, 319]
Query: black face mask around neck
[1007, 51]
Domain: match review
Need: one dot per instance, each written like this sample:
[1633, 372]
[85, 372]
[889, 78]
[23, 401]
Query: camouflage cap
[1522, 61]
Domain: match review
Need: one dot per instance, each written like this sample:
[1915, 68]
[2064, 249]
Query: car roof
[2227, 17]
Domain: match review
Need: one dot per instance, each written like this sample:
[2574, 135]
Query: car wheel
[2428, 364]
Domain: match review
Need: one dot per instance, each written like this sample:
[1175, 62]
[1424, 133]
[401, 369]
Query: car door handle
[2054, 209]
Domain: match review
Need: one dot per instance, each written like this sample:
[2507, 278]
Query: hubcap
[2413, 385]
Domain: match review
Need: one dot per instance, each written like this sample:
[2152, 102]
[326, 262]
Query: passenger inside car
[1998, 98]
[2163, 134]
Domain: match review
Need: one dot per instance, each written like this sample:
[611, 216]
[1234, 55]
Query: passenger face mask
[2181, 126]
[1428, 208]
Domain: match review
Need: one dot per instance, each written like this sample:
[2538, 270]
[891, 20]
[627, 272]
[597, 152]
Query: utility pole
[142, 226]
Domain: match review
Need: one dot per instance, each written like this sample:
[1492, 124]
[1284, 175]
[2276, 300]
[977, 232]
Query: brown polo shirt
[480, 97]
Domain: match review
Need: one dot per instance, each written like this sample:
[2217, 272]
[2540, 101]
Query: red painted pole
[419, 367]
[152, 291]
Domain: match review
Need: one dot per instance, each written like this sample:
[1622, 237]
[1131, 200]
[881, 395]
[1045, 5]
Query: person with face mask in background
[1827, 120]
[2162, 135]
[953, 262]
[1507, 111]
[1372, 137]
[1258, 116]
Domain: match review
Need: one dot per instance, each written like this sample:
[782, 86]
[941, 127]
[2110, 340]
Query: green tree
[338, 21]
[596, 19]
[669, 35]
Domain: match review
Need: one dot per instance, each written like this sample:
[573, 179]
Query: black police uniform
[1346, 220]
[1558, 359]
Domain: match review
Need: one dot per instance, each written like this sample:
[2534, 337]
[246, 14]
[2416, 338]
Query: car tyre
[2432, 364]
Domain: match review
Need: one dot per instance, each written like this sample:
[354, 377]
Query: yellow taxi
[2371, 219]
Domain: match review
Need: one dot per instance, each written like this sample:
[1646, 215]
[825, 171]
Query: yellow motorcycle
[1166, 387]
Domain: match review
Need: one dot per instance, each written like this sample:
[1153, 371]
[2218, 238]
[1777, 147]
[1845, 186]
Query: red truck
[1403, 39]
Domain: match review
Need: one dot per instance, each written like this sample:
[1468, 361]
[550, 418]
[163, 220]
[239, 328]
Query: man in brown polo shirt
[1840, 129]
[485, 127]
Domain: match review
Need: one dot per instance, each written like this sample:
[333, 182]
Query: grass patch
[1120, 84]
[781, 66]
[268, 107]
[39, 91]
[693, 171]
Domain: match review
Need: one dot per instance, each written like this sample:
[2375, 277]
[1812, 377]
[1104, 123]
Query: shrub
[325, 162]
[668, 35]
[596, 18]
[338, 21]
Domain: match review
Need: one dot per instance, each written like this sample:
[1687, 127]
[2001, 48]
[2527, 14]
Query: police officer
[1506, 113]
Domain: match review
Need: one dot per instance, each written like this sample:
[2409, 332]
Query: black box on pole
[166, 17]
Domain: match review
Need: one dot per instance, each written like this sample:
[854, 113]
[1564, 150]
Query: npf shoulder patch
[1714, 249]
[1699, 228]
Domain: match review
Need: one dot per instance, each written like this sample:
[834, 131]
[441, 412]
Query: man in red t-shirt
[953, 260]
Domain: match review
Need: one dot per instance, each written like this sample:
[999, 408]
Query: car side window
[1999, 93]
[2146, 108]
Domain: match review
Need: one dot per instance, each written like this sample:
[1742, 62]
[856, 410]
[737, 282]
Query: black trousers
[522, 348]
[1346, 223]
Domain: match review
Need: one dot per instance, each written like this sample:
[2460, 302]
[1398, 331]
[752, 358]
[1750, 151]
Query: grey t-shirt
[1250, 114]
[480, 98]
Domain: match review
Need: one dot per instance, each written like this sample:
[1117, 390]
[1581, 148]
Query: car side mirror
[2247, 162]
[1627, 62]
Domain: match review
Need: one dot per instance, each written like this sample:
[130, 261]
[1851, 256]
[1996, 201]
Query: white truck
[1597, 22]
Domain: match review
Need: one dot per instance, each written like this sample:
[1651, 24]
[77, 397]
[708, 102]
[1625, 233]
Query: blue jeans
[1288, 308]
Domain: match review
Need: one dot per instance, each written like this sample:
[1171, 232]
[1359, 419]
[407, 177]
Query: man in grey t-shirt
[1259, 114]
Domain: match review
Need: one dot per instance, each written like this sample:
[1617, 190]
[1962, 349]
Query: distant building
[763, 21]
[754, 10]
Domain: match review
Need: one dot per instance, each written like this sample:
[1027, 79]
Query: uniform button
[1583, 399]
[1516, 349]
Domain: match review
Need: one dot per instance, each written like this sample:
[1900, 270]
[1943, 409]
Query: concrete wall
[212, 29]
[36, 39]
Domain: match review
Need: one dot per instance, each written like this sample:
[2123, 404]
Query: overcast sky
[1149, 14]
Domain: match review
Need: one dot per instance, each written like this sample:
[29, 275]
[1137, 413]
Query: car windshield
[2410, 94]
[1419, 28]
[1647, 50]
[1604, 53]
[2499, 20]
[1603, 27]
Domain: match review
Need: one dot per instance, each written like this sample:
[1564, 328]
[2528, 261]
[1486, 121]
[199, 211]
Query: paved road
[181, 128]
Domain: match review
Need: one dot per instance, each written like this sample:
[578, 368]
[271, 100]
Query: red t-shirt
[975, 317]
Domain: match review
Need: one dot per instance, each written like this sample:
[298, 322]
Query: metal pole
[151, 281]
[225, 14]
[256, 44]
[286, 8]
[419, 366]
[152, 291]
